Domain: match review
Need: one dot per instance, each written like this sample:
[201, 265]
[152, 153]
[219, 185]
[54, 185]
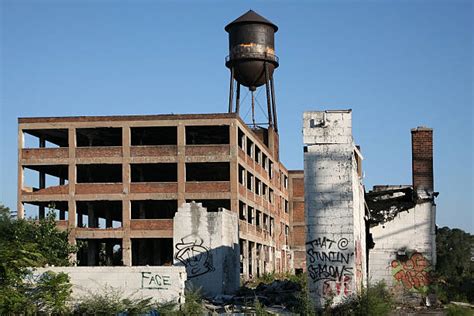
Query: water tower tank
[251, 48]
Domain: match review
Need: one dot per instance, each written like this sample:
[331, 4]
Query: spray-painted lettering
[412, 273]
[330, 265]
[155, 281]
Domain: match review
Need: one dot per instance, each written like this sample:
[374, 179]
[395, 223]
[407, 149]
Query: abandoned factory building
[124, 187]
[117, 182]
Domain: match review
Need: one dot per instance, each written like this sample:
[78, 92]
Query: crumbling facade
[116, 183]
[403, 224]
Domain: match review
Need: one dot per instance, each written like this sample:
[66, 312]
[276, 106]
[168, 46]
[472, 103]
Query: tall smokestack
[422, 159]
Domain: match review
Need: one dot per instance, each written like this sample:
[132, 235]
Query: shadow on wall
[215, 271]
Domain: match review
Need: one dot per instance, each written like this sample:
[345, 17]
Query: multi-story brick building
[117, 181]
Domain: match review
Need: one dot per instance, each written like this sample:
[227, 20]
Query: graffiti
[195, 257]
[155, 281]
[330, 265]
[412, 273]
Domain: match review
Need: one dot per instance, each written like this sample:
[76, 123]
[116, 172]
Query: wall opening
[99, 252]
[242, 211]
[39, 210]
[45, 138]
[154, 135]
[99, 214]
[99, 173]
[100, 136]
[154, 209]
[154, 172]
[152, 251]
[208, 171]
[37, 177]
[212, 205]
[207, 135]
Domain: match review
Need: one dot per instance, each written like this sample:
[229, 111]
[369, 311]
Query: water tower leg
[274, 105]
[231, 89]
[269, 109]
[237, 102]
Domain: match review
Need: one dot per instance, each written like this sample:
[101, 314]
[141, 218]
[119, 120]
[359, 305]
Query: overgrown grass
[455, 310]
[375, 300]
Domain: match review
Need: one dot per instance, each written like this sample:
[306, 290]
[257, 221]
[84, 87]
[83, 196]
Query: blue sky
[396, 64]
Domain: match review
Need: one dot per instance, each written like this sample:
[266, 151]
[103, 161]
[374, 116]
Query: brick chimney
[422, 159]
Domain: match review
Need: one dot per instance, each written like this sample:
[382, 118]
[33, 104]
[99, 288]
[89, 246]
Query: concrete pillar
[181, 163]
[91, 218]
[108, 218]
[92, 252]
[126, 208]
[72, 190]
[42, 180]
[109, 251]
[19, 207]
[245, 260]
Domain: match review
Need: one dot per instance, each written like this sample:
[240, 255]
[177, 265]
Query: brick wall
[422, 158]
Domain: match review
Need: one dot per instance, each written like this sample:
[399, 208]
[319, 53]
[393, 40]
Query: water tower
[252, 61]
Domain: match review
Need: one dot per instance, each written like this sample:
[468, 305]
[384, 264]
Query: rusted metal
[251, 45]
[252, 59]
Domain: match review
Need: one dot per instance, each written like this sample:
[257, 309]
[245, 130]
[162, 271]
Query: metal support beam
[231, 89]
[275, 122]
[237, 101]
[269, 110]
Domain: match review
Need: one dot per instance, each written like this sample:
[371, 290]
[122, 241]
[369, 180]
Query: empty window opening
[241, 175]
[242, 255]
[208, 171]
[250, 148]
[154, 209]
[257, 218]
[207, 135]
[285, 181]
[154, 135]
[286, 206]
[258, 157]
[99, 214]
[99, 252]
[101, 136]
[242, 211]
[241, 139]
[213, 205]
[265, 222]
[45, 138]
[249, 214]
[154, 172]
[271, 197]
[264, 161]
[270, 169]
[250, 248]
[40, 210]
[264, 190]
[249, 181]
[99, 173]
[37, 177]
[152, 251]
[258, 186]
[272, 225]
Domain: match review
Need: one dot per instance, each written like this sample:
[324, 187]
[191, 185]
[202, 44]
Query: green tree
[26, 244]
[454, 267]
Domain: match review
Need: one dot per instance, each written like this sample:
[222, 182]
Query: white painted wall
[334, 207]
[207, 244]
[163, 284]
[409, 232]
